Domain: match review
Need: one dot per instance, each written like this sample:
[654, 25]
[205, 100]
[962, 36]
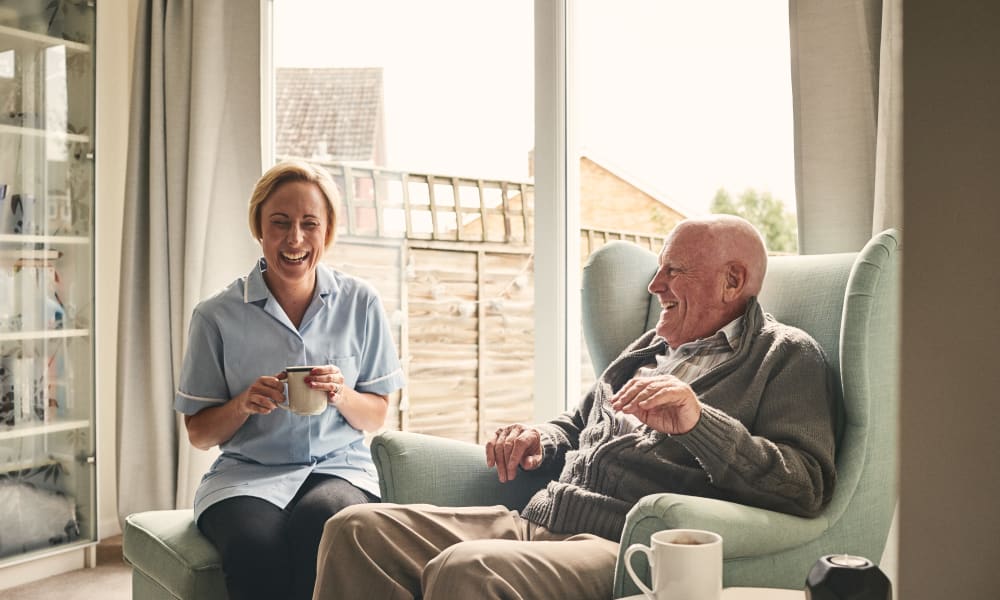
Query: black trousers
[269, 552]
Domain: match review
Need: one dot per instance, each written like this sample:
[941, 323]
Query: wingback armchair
[847, 302]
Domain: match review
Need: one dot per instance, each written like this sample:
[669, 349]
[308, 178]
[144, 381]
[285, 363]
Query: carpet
[111, 579]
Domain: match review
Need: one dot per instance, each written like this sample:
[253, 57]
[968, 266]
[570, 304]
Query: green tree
[776, 224]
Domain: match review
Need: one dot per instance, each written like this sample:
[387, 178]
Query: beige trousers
[400, 552]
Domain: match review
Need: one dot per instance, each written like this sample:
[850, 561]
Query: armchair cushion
[170, 558]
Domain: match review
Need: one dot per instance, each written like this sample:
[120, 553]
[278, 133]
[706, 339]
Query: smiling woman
[284, 471]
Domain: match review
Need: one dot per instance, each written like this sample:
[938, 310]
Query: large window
[425, 114]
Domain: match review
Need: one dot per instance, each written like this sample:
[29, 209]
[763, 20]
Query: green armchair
[848, 302]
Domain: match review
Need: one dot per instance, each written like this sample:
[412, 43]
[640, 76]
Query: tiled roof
[331, 113]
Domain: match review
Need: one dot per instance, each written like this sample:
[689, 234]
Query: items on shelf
[35, 518]
[22, 388]
[33, 388]
[29, 291]
[25, 214]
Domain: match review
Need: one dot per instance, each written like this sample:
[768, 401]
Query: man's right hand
[512, 446]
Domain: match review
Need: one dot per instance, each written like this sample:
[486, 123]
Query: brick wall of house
[609, 202]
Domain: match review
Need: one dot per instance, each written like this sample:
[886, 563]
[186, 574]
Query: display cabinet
[47, 406]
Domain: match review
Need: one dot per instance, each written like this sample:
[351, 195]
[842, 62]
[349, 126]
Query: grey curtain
[194, 154]
[847, 103]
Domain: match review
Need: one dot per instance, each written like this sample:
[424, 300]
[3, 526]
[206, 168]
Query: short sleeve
[203, 379]
[379, 369]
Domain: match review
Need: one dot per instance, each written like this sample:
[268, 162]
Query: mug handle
[287, 403]
[628, 566]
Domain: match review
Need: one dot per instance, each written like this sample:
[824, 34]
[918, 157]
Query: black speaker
[845, 577]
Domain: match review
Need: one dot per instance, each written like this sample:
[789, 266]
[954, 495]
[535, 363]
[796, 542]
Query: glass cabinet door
[47, 478]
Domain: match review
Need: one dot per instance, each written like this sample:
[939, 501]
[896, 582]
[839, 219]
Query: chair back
[849, 303]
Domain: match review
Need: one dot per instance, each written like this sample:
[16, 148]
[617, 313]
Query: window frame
[557, 223]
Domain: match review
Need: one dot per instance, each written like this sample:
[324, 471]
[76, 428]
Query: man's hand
[511, 446]
[662, 402]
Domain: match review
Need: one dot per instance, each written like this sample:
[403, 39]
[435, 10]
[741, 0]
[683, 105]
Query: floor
[109, 580]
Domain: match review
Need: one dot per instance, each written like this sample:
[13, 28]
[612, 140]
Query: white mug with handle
[302, 399]
[686, 564]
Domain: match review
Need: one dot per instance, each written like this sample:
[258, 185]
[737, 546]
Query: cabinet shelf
[15, 254]
[19, 431]
[16, 238]
[16, 39]
[43, 133]
[52, 334]
[22, 465]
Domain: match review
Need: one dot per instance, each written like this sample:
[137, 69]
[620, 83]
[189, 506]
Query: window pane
[682, 108]
[423, 112]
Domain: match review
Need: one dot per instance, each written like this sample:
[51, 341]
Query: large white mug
[302, 399]
[686, 564]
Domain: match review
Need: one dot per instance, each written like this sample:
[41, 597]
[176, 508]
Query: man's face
[689, 284]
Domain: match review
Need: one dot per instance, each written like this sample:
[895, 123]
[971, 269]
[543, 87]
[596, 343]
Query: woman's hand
[364, 411]
[214, 425]
[263, 395]
[329, 379]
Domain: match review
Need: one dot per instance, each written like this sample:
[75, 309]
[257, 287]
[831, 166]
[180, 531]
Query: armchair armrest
[417, 468]
[746, 531]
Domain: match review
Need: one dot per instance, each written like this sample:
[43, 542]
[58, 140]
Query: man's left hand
[662, 402]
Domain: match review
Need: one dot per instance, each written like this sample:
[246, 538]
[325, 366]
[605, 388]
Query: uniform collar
[256, 290]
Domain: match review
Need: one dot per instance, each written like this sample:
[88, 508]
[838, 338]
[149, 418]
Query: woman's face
[293, 222]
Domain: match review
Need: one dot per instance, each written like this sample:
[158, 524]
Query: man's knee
[360, 525]
[348, 523]
[467, 569]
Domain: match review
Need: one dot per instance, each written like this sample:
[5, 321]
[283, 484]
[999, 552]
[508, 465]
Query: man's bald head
[733, 240]
[709, 269]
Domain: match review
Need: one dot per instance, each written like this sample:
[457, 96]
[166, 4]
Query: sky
[680, 97]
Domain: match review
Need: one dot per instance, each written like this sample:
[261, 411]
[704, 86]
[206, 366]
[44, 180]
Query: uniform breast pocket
[348, 365]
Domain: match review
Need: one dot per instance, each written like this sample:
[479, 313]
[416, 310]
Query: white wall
[949, 543]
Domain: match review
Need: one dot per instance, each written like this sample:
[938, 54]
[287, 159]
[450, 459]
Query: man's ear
[736, 280]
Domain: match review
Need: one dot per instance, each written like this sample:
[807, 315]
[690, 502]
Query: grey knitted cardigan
[765, 437]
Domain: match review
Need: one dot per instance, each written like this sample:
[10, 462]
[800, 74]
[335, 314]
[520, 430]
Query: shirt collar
[732, 332]
[255, 288]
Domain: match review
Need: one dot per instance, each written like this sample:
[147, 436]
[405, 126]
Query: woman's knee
[254, 547]
[324, 500]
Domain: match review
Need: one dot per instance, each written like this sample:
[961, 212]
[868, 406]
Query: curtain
[847, 103]
[194, 154]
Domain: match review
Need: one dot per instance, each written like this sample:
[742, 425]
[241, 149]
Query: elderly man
[719, 400]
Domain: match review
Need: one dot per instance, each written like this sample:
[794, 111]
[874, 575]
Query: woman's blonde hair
[294, 170]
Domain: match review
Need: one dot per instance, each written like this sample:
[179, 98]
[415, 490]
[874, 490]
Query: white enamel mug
[302, 399]
[686, 564]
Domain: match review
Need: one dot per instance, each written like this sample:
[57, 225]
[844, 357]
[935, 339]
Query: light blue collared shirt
[242, 333]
